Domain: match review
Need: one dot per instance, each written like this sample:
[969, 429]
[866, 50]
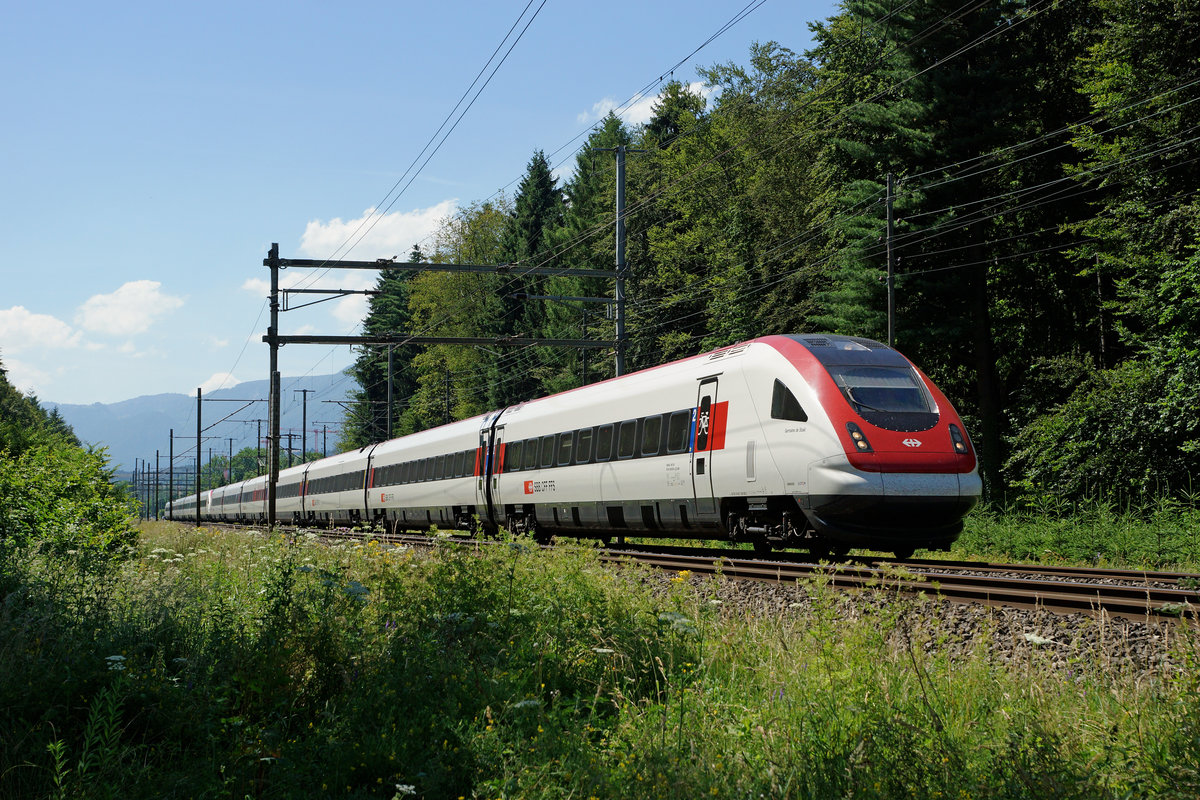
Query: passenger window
[677, 431]
[651, 435]
[627, 439]
[548, 451]
[604, 438]
[583, 450]
[566, 442]
[784, 404]
[529, 459]
[512, 457]
[460, 464]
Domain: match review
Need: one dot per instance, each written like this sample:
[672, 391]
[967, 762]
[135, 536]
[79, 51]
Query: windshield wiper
[860, 404]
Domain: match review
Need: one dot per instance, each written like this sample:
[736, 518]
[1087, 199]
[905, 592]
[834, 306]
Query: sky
[152, 152]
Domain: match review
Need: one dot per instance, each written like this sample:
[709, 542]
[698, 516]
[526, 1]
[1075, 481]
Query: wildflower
[356, 589]
[602, 650]
[115, 663]
[526, 704]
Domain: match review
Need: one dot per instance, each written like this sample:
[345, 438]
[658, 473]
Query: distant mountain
[133, 429]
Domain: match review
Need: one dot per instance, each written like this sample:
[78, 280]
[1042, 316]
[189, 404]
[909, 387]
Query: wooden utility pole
[891, 262]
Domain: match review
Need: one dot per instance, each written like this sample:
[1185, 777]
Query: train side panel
[427, 479]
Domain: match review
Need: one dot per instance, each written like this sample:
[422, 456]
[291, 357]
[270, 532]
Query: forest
[1045, 197]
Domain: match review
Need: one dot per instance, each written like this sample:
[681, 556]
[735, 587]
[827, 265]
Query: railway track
[1138, 595]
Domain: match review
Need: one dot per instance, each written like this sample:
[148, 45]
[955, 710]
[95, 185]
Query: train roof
[833, 350]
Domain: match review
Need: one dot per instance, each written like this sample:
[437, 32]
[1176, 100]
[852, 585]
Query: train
[818, 442]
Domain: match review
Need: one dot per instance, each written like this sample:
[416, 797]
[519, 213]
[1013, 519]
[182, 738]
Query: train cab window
[583, 449]
[677, 431]
[566, 445]
[627, 439]
[604, 440]
[512, 456]
[529, 457]
[548, 451]
[784, 404]
[652, 435]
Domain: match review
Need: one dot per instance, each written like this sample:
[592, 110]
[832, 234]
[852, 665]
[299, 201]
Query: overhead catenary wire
[994, 198]
[741, 15]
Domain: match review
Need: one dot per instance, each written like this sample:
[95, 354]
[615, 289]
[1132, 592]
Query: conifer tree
[538, 210]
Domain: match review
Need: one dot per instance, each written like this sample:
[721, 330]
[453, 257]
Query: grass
[235, 665]
[1165, 536]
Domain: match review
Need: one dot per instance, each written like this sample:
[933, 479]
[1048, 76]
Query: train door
[702, 452]
[483, 489]
[487, 472]
[497, 466]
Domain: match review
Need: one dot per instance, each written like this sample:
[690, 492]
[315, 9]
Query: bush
[61, 501]
[1127, 435]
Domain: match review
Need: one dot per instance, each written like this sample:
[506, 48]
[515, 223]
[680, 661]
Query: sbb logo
[528, 487]
[911, 443]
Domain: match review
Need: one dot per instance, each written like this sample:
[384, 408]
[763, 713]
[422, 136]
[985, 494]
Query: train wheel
[904, 553]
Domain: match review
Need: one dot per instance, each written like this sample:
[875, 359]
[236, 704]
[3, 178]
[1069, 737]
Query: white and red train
[817, 441]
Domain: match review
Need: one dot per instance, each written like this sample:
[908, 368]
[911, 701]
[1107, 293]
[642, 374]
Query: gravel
[1073, 645]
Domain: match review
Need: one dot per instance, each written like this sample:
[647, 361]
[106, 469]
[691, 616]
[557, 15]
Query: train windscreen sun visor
[888, 390]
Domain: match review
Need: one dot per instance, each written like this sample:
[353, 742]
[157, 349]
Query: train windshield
[890, 397]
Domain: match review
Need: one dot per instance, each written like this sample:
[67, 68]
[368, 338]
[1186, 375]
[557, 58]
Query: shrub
[61, 501]
[1128, 434]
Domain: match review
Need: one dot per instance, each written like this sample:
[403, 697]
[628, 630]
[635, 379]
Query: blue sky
[153, 151]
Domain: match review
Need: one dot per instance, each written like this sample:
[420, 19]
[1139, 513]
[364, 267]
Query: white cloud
[25, 377]
[351, 310]
[218, 380]
[640, 109]
[131, 309]
[389, 235]
[22, 329]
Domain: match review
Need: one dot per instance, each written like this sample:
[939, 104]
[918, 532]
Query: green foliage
[1051, 529]
[1125, 435]
[229, 665]
[61, 501]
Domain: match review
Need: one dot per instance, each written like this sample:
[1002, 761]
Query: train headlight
[960, 442]
[860, 438]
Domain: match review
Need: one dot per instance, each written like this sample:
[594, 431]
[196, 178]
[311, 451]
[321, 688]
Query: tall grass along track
[1138, 595]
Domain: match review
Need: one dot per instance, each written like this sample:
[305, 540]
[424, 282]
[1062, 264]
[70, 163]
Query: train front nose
[887, 510]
